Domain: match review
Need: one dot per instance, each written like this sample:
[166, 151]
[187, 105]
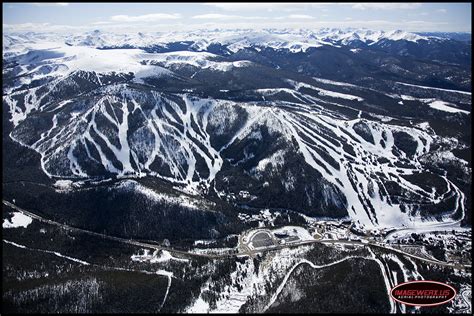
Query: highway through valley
[246, 250]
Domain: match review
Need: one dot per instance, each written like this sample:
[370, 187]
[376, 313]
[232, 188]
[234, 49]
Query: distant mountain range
[296, 40]
[458, 36]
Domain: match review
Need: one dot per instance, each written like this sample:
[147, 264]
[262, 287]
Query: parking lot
[262, 239]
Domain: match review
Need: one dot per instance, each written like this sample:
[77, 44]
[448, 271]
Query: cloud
[248, 6]
[50, 4]
[41, 27]
[118, 27]
[385, 6]
[442, 10]
[280, 6]
[145, 18]
[300, 16]
[101, 23]
[289, 7]
[216, 16]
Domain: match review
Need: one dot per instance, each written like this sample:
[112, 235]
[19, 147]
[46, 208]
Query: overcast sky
[72, 17]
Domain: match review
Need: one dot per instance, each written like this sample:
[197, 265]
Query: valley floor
[281, 251]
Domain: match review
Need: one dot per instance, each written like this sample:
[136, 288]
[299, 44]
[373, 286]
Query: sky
[131, 17]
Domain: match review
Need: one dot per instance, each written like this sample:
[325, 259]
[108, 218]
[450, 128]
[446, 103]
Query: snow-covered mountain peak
[235, 38]
[398, 35]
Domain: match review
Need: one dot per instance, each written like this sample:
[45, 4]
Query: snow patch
[63, 184]
[158, 256]
[18, 220]
[446, 107]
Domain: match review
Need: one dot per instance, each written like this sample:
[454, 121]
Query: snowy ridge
[294, 40]
[63, 59]
[202, 60]
[173, 142]
[92, 113]
[126, 153]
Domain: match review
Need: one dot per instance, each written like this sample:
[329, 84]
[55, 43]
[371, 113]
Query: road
[466, 296]
[246, 252]
[114, 238]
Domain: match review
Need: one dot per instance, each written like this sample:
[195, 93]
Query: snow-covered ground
[47, 251]
[294, 231]
[247, 280]
[158, 256]
[355, 173]
[446, 107]
[182, 199]
[202, 60]
[71, 58]
[18, 220]
[64, 185]
[433, 88]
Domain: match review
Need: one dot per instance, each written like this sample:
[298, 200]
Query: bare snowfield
[446, 107]
[18, 220]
